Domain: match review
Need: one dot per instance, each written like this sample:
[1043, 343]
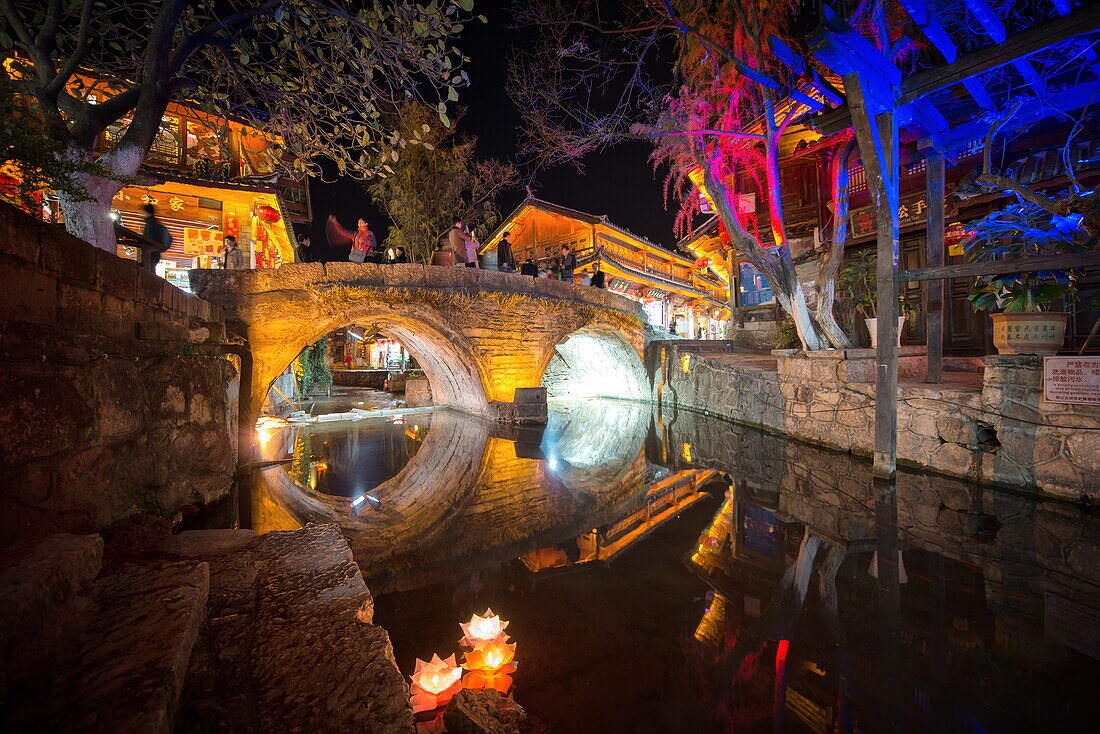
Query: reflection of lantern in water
[484, 628]
[491, 664]
[434, 683]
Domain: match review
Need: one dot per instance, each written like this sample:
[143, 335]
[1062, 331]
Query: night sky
[618, 182]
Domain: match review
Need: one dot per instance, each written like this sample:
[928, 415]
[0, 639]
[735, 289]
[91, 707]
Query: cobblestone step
[288, 643]
[127, 671]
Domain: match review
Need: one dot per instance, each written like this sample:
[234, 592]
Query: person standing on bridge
[506, 261]
[567, 264]
[363, 243]
[597, 276]
[463, 244]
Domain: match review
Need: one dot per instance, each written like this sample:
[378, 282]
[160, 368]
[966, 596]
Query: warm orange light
[488, 627]
[490, 655]
[491, 664]
[434, 683]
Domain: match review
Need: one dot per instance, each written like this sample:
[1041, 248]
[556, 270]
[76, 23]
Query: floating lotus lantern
[490, 664]
[434, 683]
[482, 629]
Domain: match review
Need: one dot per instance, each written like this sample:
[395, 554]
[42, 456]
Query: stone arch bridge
[477, 334]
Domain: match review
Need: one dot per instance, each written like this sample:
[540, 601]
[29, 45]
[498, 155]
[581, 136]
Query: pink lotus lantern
[490, 664]
[434, 683]
[482, 629]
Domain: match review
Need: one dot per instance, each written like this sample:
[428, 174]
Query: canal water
[662, 571]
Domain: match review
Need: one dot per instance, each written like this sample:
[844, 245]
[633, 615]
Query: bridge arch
[450, 364]
[596, 360]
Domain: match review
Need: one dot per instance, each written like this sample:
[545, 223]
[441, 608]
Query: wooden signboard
[1071, 380]
[910, 211]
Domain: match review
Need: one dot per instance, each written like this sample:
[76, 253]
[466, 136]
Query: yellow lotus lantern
[490, 664]
[483, 629]
[434, 683]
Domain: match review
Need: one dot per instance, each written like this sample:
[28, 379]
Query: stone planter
[872, 329]
[1029, 333]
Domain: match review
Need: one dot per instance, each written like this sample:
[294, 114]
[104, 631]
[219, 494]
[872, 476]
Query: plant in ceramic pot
[858, 278]
[1026, 323]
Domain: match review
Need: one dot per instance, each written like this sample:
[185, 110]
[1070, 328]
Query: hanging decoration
[434, 683]
[268, 214]
[703, 263]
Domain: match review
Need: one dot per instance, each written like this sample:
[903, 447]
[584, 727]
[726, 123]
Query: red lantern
[703, 262]
[267, 214]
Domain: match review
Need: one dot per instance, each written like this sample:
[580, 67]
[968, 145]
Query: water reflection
[802, 598]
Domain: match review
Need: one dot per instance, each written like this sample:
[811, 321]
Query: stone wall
[1000, 432]
[114, 398]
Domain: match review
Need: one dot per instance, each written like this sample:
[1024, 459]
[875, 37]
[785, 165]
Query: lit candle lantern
[434, 683]
[484, 628]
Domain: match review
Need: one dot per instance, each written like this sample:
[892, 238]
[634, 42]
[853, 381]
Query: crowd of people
[459, 247]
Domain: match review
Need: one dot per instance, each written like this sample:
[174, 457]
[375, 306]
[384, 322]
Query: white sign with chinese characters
[1071, 380]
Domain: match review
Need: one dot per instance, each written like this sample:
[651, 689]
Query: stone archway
[450, 364]
[595, 361]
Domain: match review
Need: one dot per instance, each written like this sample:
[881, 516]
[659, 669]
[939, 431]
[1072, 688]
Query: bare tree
[322, 77]
[585, 85]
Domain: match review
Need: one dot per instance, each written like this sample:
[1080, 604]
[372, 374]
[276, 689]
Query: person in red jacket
[363, 243]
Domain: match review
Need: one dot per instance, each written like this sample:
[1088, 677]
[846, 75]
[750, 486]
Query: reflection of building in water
[973, 652]
[664, 499]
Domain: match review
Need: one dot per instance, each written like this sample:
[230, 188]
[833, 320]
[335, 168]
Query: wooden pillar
[876, 129]
[933, 289]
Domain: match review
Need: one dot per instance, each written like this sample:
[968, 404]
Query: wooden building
[672, 287]
[217, 177]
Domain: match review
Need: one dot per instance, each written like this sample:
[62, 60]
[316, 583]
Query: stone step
[128, 667]
[288, 643]
[43, 585]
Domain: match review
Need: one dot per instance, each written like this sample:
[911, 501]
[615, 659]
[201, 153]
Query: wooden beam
[993, 26]
[930, 26]
[1063, 102]
[1084, 20]
[1062, 6]
[978, 93]
[1087, 259]
[1027, 71]
[933, 291]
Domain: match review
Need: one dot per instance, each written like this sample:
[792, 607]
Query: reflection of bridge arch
[479, 334]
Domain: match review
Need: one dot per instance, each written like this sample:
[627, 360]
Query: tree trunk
[829, 266]
[90, 220]
[777, 268]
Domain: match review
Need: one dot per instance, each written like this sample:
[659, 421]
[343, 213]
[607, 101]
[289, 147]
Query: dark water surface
[666, 572]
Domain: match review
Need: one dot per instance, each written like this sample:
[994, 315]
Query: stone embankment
[994, 428]
[116, 391]
[218, 630]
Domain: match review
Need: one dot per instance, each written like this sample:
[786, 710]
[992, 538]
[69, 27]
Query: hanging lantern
[434, 683]
[267, 214]
[483, 629]
[490, 664]
[703, 263]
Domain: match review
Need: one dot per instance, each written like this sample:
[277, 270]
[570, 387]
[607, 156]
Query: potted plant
[857, 277]
[1026, 324]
